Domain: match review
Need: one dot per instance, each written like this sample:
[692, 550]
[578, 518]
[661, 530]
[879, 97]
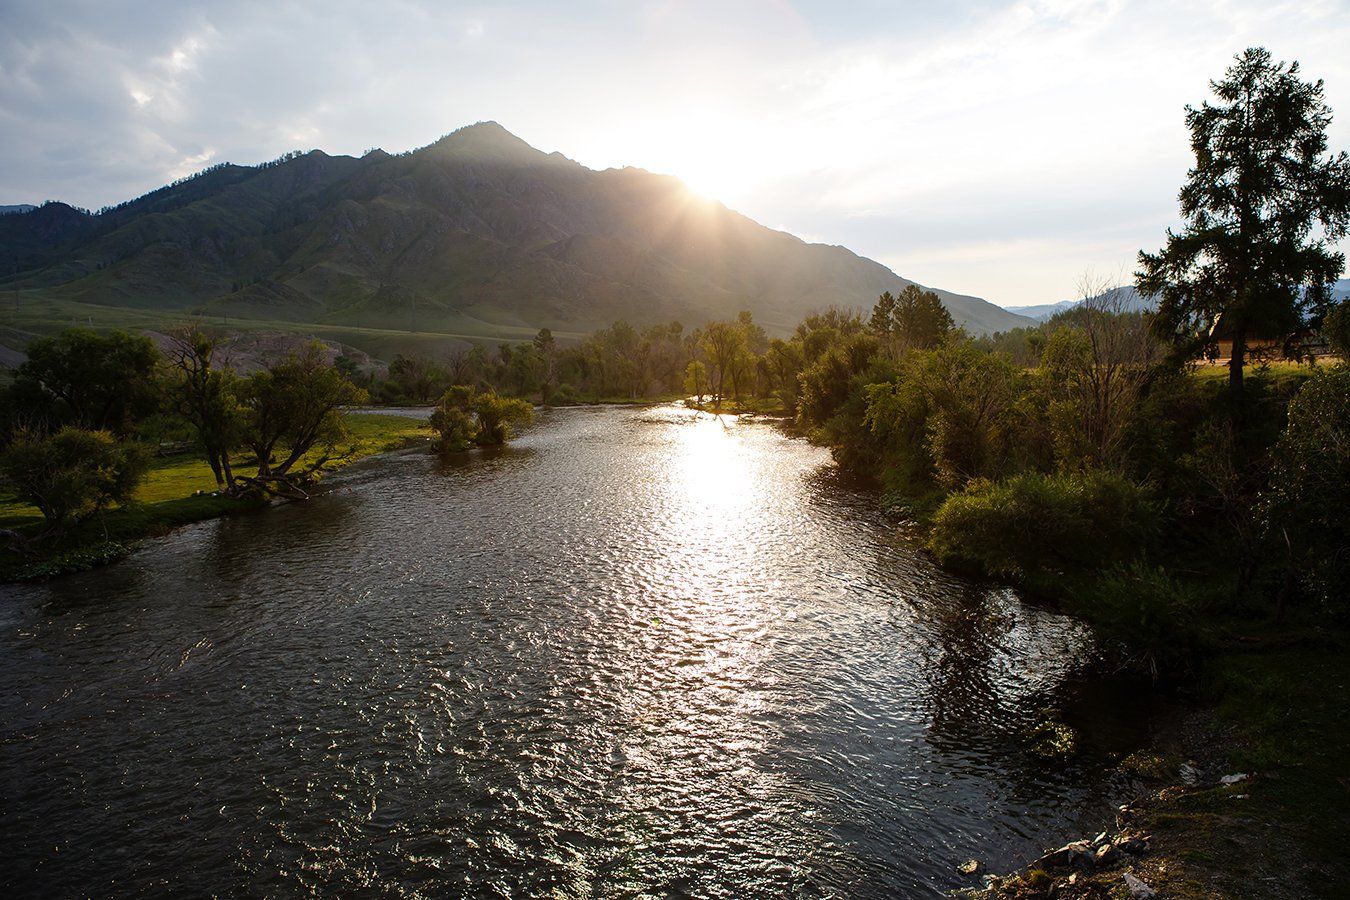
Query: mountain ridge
[476, 227]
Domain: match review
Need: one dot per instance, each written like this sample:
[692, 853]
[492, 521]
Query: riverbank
[178, 490]
[1243, 795]
[1151, 562]
[1243, 787]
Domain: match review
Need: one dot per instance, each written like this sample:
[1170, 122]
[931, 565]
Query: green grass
[1281, 714]
[177, 491]
[29, 317]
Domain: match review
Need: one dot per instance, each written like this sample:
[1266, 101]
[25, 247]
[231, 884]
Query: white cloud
[991, 149]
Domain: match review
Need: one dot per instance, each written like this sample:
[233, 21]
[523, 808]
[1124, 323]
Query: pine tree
[1262, 206]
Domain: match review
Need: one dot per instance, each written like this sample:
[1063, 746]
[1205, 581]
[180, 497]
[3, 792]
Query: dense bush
[72, 474]
[465, 417]
[1147, 617]
[1306, 510]
[1064, 522]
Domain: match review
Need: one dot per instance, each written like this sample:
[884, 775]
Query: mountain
[477, 233]
[1042, 311]
[17, 208]
[1129, 299]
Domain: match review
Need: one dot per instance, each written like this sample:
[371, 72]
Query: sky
[1000, 149]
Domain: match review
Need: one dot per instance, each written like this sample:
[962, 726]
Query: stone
[1133, 845]
[1106, 855]
[1138, 889]
[1189, 774]
[1234, 779]
[1077, 853]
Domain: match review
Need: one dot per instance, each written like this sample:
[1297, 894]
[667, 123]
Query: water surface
[639, 651]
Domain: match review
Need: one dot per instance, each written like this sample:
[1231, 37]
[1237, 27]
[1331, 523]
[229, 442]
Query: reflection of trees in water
[485, 462]
[996, 670]
[963, 669]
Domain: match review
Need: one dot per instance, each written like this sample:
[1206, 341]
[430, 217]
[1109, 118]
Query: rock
[1076, 854]
[1138, 889]
[1234, 779]
[1106, 855]
[1099, 839]
[1189, 774]
[1132, 845]
[969, 867]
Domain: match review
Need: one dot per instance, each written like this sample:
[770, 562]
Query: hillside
[476, 234]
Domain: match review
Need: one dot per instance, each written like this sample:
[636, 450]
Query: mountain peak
[486, 139]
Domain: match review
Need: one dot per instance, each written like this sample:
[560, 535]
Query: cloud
[994, 148]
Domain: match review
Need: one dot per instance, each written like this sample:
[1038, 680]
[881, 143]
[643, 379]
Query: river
[639, 651]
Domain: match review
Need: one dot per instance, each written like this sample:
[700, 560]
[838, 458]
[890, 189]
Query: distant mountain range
[16, 208]
[1126, 295]
[1130, 300]
[474, 233]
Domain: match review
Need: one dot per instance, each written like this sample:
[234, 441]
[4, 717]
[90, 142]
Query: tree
[289, 409]
[921, 321]
[465, 417]
[72, 474]
[453, 420]
[496, 416]
[1095, 368]
[92, 380]
[784, 362]
[1263, 205]
[415, 378]
[548, 352]
[723, 342]
[696, 380]
[1336, 329]
[970, 397]
[207, 397]
[1306, 509]
[916, 320]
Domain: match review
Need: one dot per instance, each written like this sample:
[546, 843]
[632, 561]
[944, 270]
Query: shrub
[465, 417]
[1305, 511]
[72, 474]
[1031, 521]
[1147, 618]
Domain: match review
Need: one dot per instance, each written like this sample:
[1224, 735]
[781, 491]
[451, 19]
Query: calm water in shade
[639, 651]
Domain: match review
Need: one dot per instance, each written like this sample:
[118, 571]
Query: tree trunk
[1235, 365]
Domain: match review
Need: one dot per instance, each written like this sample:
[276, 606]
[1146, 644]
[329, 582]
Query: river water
[640, 651]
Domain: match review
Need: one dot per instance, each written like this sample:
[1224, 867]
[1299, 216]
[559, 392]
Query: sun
[711, 180]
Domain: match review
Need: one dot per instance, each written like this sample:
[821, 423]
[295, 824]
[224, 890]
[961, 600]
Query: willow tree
[1263, 206]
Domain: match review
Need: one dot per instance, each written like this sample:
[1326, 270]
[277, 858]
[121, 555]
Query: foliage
[696, 379]
[826, 381]
[915, 320]
[1306, 509]
[1093, 373]
[1263, 207]
[101, 382]
[1031, 522]
[1336, 329]
[76, 559]
[293, 407]
[208, 398]
[72, 474]
[971, 400]
[1149, 617]
[465, 417]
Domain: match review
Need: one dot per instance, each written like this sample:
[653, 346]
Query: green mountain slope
[477, 233]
